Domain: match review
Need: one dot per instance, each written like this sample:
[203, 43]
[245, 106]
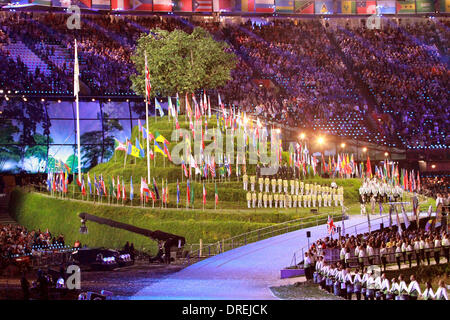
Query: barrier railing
[257, 235]
[360, 227]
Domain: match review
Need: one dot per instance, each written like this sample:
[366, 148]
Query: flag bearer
[261, 184]
[252, 183]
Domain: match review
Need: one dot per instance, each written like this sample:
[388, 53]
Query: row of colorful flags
[58, 182]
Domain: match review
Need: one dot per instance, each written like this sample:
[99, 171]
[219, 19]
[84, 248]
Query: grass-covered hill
[40, 210]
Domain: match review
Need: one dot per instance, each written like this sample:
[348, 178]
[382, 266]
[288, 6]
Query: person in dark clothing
[42, 285]
[167, 246]
[159, 255]
[25, 287]
[132, 252]
[126, 248]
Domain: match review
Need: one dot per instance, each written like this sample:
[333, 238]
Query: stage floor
[245, 273]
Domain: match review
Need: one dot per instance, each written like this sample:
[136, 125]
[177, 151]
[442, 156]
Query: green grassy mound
[40, 211]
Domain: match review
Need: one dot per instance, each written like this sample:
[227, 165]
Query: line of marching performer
[291, 193]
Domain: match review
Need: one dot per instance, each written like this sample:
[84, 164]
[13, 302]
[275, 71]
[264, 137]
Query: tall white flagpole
[147, 95]
[76, 89]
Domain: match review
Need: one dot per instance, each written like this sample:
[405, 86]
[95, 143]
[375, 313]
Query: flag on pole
[76, 73]
[124, 192]
[204, 194]
[131, 188]
[83, 189]
[216, 194]
[118, 188]
[155, 189]
[331, 226]
[148, 85]
[89, 183]
[144, 186]
[188, 191]
[159, 108]
[178, 192]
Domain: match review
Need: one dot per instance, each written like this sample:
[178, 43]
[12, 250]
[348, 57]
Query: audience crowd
[291, 72]
[348, 265]
[17, 240]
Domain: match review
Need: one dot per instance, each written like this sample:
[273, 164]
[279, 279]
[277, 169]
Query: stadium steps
[18, 50]
[5, 218]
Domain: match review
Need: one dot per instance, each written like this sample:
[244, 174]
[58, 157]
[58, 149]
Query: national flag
[304, 6]
[118, 188]
[216, 194]
[285, 6]
[158, 148]
[124, 192]
[155, 189]
[182, 5]
[76, 72]
[405, 217]
[369, 168]
[188, 107]
[247, 6]
[264, 6]
[192, 194]
[430, 225]
[406, 6]
[148, 85]
[366, 7]
[133, 150]
[83, 189]
[89, 184]
[144, 186]
[131, 188]
[183, 166]
[119, 145]
[140, 148]
[49, 183]
[178, 192]
[204, 194]
[188, 191]
[166, 151]
[348, 7]
[160, 138]
[159, 108]
[162, 5]
[331, 226]
[202, 5]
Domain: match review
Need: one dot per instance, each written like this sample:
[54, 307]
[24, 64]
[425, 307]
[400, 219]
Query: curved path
[244, 273]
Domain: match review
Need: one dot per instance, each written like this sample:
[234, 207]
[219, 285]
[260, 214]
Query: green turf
[39, 211]
[35, 210]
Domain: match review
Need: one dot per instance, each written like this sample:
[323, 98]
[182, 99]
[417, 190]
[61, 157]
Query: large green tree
[9, 150]
[38, 152]
[98, 145]
[181, 62]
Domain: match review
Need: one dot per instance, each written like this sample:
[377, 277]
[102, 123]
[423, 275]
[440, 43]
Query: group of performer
[375, 191]
[337, 279]
[291, 193]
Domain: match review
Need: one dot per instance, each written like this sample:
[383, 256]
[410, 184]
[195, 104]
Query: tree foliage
[181, 62]
[99, 144]
[9, 151]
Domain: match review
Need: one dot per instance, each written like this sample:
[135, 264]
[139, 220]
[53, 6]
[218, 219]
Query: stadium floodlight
[320, 140]
[386, 154]
[433, 166]
[364, 149]
[343, 145]
[302, 136]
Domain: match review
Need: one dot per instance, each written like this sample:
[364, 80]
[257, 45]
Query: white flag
[76, 73]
